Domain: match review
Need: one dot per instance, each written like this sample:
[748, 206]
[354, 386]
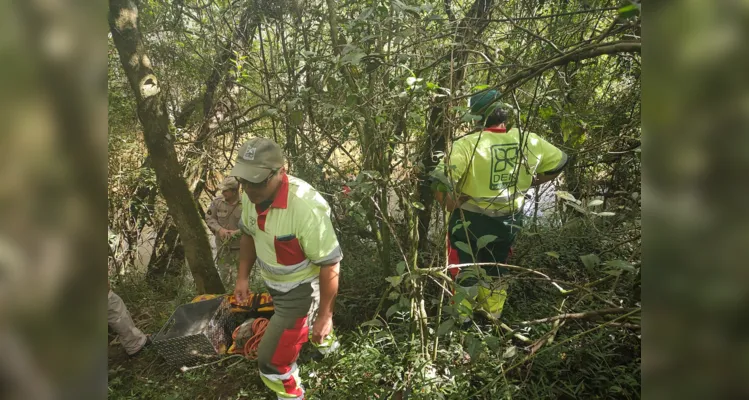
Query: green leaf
[552, 254]
[604, 214]
[480, 87]
[591, 261]
[613, 272]
[546, 112]
[460, 225]
[620, 264]
[394, 280]
[392, 310]
[471, 117]
[463, 247]
[474, 346]
[492, 342]
[445, 327]
[400, 268]
[629, 11]
[417, 205]
[596, 202]
[374, 322]
[485, 240]
[393, 295]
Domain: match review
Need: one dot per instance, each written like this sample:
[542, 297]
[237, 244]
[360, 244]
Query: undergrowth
[386, 360]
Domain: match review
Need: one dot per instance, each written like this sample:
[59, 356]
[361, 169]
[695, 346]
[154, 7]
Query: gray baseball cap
[256, 159]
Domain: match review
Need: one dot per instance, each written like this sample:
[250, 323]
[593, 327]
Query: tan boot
[492, 298]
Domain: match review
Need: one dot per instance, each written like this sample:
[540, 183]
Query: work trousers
[505, 229]
[131, 337]
[468, 227]
[288, 329]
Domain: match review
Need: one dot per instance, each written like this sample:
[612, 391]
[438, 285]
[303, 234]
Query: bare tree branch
[582, 315]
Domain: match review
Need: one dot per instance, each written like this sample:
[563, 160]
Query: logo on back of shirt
[504, 160]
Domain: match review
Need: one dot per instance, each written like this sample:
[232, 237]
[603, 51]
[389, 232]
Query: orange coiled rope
[259, 326]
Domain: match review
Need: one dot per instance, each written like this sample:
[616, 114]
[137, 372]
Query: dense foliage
[368, 93]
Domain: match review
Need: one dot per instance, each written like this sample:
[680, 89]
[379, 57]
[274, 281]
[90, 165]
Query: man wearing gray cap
[222, 218]
[286, 230]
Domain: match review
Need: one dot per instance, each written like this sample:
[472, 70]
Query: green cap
[256, 159]
[483, 103]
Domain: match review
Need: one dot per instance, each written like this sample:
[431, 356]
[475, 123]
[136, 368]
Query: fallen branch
[512, 267]
[583, 315]
[625, 325]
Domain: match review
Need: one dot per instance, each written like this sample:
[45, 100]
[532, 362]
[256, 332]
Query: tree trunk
[152, 113]
[167, 251]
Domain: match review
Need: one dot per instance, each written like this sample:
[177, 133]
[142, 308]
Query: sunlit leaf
[596, 202]
[417, 205]
[412, 80]
[629, 11]
[552, 254]
[567, 196]
[394, 280]
[509, 352]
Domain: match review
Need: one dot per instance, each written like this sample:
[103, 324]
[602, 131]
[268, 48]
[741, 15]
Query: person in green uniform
[482, 183]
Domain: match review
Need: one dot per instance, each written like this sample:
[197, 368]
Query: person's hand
[223, 234]
[242, 290]
[234, 233]
[321, 328]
